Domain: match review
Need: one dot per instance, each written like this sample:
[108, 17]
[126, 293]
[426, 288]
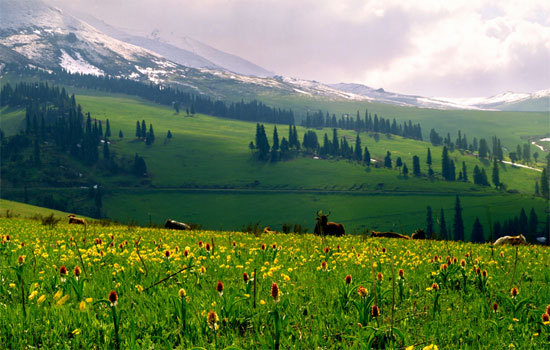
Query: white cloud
[431, 47]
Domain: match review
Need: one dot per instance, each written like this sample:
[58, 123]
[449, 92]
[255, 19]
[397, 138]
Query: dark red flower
[63, 270]
[348, 279]
[375, 311]
[113, 298]
[219, 287]
[245, 277]
[275, 294]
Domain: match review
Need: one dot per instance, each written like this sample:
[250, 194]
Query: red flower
[219, 288]
[77, 271]
[401, 273]
[384, 250]
[186, 252]
[514, 292]
[495, 307]
[263, 246]
[208, 246]
[63, 270]
[375, 311]
[275, 294]
[324, 265]
[274, 246]
[21, 259]
[380, 276]
[234, 243]
[113, 298]
[167, 253]
[200, 244]
[548, 309]
[545, 317]
[245, 277]
[484, 273]
[326, 250]
[348, 279]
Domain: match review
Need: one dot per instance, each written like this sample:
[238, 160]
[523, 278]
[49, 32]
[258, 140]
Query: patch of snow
[302, 92]
[78, 65]
[546, 139]
[539, 146]
[521, 166]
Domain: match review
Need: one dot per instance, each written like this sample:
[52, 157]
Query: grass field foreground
[128, 287]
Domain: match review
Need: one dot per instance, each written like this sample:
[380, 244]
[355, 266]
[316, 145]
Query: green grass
[23, 210]
[11, 120]
[451, 294]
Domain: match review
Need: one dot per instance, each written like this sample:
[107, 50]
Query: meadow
[129, 287]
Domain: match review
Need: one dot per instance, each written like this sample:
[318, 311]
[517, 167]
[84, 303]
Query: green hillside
[206, 174]
[11, 208]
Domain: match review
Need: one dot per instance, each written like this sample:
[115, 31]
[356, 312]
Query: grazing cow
[175, 225]
[511, 240]
[268, 230]
[324, 227]
[388, 235]
[78, 221]
[419, 234]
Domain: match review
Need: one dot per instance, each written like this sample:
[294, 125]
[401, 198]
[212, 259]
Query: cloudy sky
[426, 47]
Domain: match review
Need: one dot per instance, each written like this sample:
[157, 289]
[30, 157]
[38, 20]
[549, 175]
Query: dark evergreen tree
[429, 157]
[107, 129]
[416, 166]
[523, 222]
[106, 151]
[452, 171]
[496, 177]
[429, 222]
[120, 134]
[138, 130]
[398, 163]
[335, 143]
[405, 170]
[168, 135]
[458, 225]
[445, 164]
[537, 191]
[143, 129]
[443, 226]
[477, 232]
[358, 148]
[483, 148]
[544, 189]
[387, 160]
[366, 156]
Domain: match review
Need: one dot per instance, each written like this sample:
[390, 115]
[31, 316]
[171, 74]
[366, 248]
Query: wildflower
[545, 317]
[384, 250]
[274, 246]
[203, 270]
[501, 254]
[514, 292]
[348, 279]
[495, 307]
[262, 302]
[58, 294]
[275, 293]
[200, 244]
[89, 300]
[33, 295]
[401, 273]
[219, 288]
[436, 258]
[443, 267]
[12, 285]
[62, 300]
[208, 247]
[548, 309]
[212, 319]
[41, 299]
[63, 272]
[245, 277]
[77, 272]
[455, 260]
[478, 271]
[363, 292]
[182, 293]
[324, 265]
[380, 276]
[139, 288]
[375, 311]
[76, 331]
[186, 253]
[484, 273]
[113, 298]
[263, 246]
[431, 347]
[326, 250]
[463, 263]
[167, 254]
[82, 306]
[234, 243]
[435, 286]
[21, 259]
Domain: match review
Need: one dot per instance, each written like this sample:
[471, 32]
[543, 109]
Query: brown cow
[419, 234]
[324, 227]
[511, 240]
[175, 225]
[78, 221]
[388, 235]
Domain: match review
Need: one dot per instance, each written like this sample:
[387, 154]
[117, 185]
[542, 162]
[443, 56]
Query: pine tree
[443, 226]
[106, 152]
[496, 177]
[452, 171]
[405, 170]
[275, 139]
[416, 166]
[138, 130]
[464, 172]
[523, 222]
[429, 157]
[169, 135]
[107, 129]
[537, 191]
[143, 129]
[120, 134]
[544, 190]
[335, 143]
[358, 148]
[458, 225]
[387, 160]
[366, 156]
[100, 130]
[399, 164]
[483, 148]
[533, 225]
[445, 171]
[477, 232]
[429, 222]
[484, 180]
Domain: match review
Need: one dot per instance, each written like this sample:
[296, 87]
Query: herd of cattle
[324, 227]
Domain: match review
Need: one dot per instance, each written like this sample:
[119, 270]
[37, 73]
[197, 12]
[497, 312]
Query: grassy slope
[212, 152]
[11, 120]
[511, 127]
[27, 210]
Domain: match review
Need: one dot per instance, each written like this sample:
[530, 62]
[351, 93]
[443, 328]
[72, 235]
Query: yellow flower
[62, 300]
[410, 347]
[12, 285]
[33, 295]
[89, 300]
[76, 331]
[41, 299]
[182, 293]
[82, 305]
[262, 302]
[139, 288]
[431, 347]
[58, 295]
